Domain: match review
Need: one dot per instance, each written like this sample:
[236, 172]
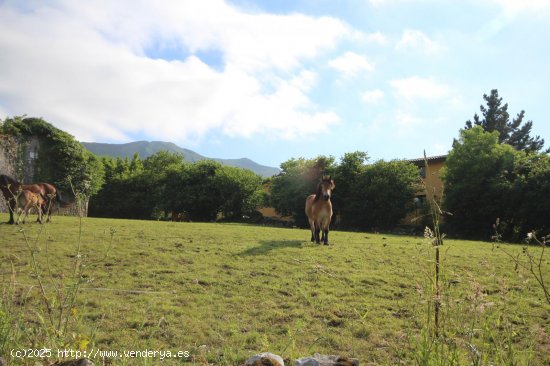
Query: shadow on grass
[268, 245]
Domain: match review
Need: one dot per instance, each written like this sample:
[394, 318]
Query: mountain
[148, 148]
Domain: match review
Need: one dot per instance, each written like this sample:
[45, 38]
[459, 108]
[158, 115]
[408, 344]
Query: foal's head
[326, 185]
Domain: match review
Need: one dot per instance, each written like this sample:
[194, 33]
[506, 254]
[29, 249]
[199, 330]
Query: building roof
[431, 159]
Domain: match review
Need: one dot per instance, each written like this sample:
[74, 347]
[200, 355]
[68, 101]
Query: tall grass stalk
[59, 307]
[57, 293]
[437, 240]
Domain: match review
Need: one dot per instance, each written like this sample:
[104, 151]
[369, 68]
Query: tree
[381, 195]
[530, 190]
[241, 191]
[346, 174]
[162, 161]
[127, 192]
[497, 118]
[164, 183]
[205, 189]
[485, 180]
[297, 180]
[60, 158]
[161, 170]
[479, 177]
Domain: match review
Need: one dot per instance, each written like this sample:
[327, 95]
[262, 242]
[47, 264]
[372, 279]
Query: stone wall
[17, 159]
[8, 155]
[28, 154]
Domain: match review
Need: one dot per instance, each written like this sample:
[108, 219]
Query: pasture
[224, 292]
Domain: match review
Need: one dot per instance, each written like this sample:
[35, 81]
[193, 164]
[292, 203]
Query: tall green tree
[126, 193]
[478, 178]
[241, 191]
[382, 195]
[297, 180]
[515, 132]
[206, 189]
[485, 180]
[347, 173]
[161, 170]
[527, 204]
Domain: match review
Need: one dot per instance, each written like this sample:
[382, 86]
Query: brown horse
[11, 187]
[319, 210]
[26, 200]
[51, 195]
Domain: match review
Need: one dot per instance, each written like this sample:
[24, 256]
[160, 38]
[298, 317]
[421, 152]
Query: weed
[59, 284]
[532, 262]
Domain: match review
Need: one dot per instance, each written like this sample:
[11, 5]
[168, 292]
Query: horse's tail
[58, 198]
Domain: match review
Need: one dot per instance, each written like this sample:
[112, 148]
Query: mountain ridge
[148, 148]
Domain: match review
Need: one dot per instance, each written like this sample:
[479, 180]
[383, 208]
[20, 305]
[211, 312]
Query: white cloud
[406, 120]
[84, 67]
[414, 40]
[419, 88]
[380, 3]
[438, 149]
[510, 12]
[372, 96]
[516, 6]
[350, 64]
[376, 37]
[512, 6]
[406, 123]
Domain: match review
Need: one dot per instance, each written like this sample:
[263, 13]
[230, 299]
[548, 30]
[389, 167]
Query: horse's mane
[6, 179]
[319, 192]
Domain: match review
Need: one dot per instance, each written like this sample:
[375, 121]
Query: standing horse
[26, 200]
[11, 187]
[319, 210]
[51, 195]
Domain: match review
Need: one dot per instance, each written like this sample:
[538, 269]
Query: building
[431, 184]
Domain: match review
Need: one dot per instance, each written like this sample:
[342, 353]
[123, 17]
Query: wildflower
[428, 233]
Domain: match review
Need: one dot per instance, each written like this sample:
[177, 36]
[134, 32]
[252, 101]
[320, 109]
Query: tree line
[370, 196]
[164, 185]
[495, 169]
[367, 196]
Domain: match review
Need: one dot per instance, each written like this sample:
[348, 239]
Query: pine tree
[497, 118]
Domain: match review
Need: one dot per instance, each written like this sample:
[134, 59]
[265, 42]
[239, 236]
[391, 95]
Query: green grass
[224, 292]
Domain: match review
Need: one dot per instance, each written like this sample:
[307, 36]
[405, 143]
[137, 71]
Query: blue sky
[272, 80]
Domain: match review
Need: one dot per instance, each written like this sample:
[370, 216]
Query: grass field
[224, 292]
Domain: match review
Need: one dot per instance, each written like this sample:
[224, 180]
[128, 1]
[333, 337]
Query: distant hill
[148, 148]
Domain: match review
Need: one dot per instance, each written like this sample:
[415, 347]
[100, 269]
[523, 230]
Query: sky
[275, 79]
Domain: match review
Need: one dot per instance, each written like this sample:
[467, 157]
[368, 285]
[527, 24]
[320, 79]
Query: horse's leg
[19, 212]
[50, 208]
[46, 209]
[12, 206]
[312, 228]
[39, 209]
[26, 211]
[325, 224]
[317, 231]
[325, 236]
